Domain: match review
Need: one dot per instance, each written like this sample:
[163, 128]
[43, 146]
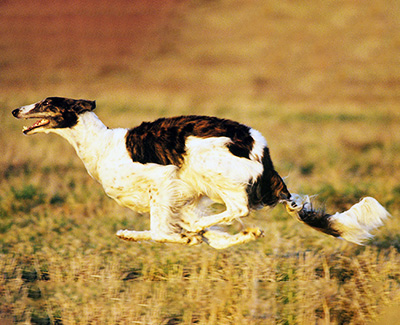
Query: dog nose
[15, 112]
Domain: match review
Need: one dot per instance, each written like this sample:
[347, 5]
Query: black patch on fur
[66, 109]
[319, 220]
[163, 141]
[269, 187]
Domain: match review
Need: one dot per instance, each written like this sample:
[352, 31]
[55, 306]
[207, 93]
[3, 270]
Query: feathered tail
[353, 225]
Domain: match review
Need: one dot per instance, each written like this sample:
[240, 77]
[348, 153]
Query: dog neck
[90, 139]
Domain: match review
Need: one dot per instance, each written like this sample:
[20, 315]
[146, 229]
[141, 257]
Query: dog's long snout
[15, 112]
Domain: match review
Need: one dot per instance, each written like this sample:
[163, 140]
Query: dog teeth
[35, 125]
[40, 122]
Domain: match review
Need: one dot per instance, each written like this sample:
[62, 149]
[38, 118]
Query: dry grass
[321, 81]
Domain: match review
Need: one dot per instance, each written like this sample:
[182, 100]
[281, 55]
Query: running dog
[176, 168]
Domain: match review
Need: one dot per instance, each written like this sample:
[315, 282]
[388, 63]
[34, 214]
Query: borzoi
[176, 168]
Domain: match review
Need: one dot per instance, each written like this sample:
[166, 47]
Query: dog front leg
[177, 238]
[164, 221]
[132, 235]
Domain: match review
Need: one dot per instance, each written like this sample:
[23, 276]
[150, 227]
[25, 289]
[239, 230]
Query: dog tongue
[40, 122]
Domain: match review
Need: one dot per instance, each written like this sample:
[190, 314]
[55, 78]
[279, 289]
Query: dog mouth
[37, 124]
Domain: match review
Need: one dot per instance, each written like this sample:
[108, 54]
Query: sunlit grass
[61, 262]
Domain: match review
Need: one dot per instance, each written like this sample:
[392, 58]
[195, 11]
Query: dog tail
[353, 225]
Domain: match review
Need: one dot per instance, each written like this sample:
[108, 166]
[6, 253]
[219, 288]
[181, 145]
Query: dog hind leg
[236, 206]
[164, 223]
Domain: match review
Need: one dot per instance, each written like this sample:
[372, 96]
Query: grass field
[320, 80]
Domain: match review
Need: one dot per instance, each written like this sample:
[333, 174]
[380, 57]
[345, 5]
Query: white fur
[27, 108]
[260, 143]
[172, 195]
[356, 223]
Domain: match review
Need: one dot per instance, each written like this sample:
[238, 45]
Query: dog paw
[253, 232]
[125, 235]
[121, 233]
[192, 239]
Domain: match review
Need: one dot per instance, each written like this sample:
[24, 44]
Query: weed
[26, 198]
[307, 169]
[17, 170]
[57, 199]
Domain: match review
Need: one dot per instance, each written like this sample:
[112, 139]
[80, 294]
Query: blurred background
[204, 56]
[319, 78]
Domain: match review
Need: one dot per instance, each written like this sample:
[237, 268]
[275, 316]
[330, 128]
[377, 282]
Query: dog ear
[92, 104]
[84, 105]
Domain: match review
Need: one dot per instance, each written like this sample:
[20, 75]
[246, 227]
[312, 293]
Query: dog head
[53, 113]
